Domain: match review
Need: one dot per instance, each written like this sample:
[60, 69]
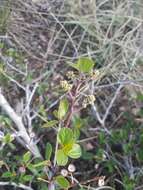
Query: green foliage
[65, 136]
[4, 15]
[26, 157]
[79, 122]
[5, 121]
[27, 178]
[123, 142]
[41, 164]
[75, 151]
[62, 182]
[50, 124]
[84, 65]
[69, 147]
[8, 138]
[129, 184]
[63, 108]
[48, 151]
[140, 97]
[87, 155]
[7, 174]
[28, 170]
[62, 158]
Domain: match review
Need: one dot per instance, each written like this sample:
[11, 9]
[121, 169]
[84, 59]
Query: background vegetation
[71, 94]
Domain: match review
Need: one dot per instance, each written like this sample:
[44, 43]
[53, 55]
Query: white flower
[71, 168]
[64, 172]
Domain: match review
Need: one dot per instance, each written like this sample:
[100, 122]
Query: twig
[56, 148]
[15, 185]
[12, 80]
[20, 126]
[111, 103]
[73, 101]
[30, 96]
[97, 115]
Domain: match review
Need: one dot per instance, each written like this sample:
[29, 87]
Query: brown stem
[73, 100]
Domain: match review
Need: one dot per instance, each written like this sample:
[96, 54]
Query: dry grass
[108, 31]
[51, 33]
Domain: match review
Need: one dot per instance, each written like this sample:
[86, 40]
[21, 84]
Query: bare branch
[20, 126]
[3, 183]
[111, 103]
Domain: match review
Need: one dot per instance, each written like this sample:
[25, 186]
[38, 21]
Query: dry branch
[19, 125]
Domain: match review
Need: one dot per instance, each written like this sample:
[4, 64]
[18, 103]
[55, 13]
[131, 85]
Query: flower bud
[91, 99]
[65, 85]
[71, 168]
[64, 172]
[70, 75]
[22, 169]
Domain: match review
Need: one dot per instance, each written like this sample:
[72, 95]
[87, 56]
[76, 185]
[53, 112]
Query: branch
[111, 103]
[20, 126]
[15, 185]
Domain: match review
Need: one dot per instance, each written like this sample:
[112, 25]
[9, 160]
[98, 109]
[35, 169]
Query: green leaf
[48, 151]
[55, 113]
[76, 133]
[27, 178]
[43, 186]
[87, 155]
[65, 136]
[62, 182]
[32, 169]
[6, 120]
[67, 148]
[42, 111]
[50, 124]
[84, 65]
[43, 163]
[75, 152]
[8, 138]
[63, 108]
[26, 157]
[102, 138]
[140, 97]
[1, 45]
[7, 174]
[62, 159]
[82, 188]
[78, 122]
[140, 154]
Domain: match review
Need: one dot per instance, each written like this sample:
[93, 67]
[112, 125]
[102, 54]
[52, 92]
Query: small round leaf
[62, 182]
[75, 152]
[65, 136]
[62, 159]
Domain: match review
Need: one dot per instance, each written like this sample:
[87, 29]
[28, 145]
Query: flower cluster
[89, 100]
[70, 75]
[65, 85]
